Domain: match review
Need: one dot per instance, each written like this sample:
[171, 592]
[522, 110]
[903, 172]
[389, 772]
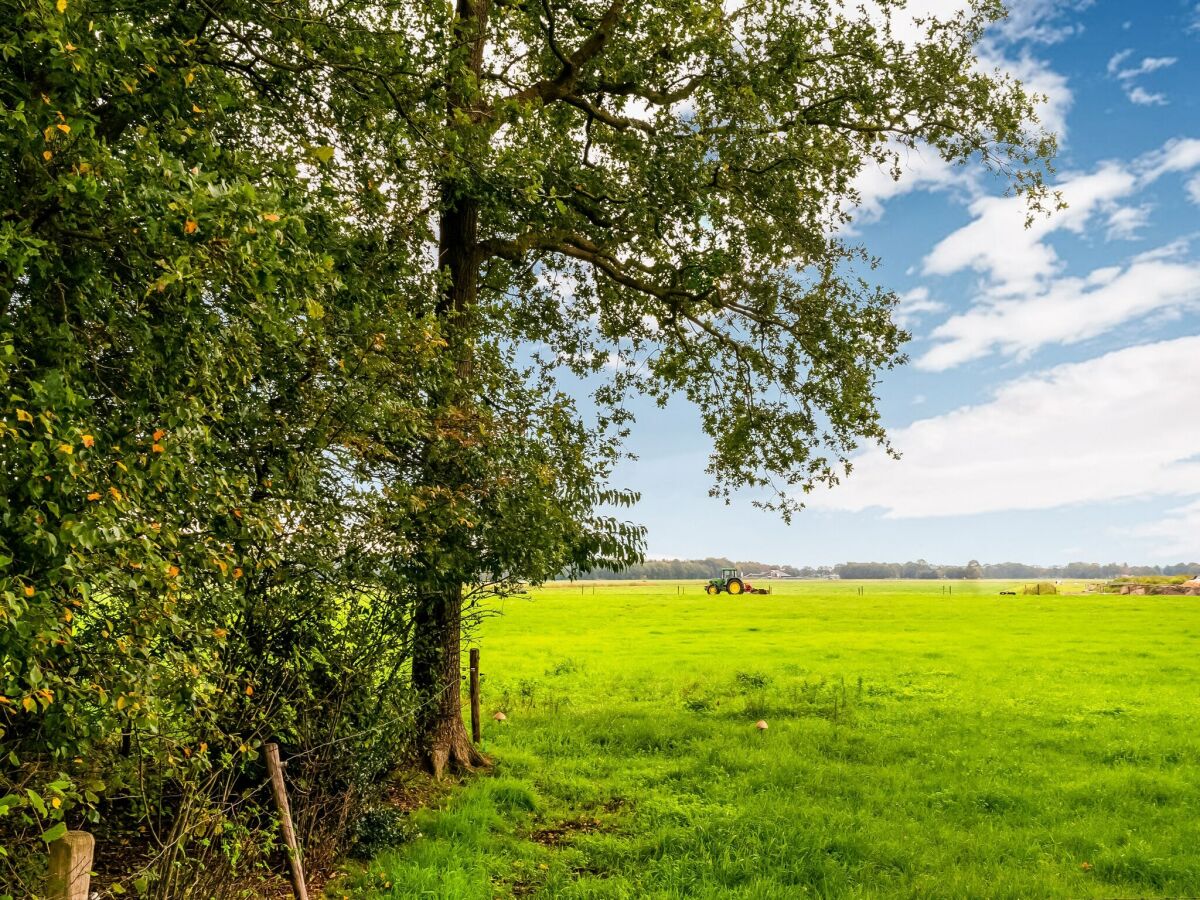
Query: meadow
[920, 744]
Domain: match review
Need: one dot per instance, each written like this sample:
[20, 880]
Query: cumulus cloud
[1142, 97]
[1068, 311]
[1128, 75]
[1124, 222]
[1015, 258]
[1193, 189]
[914, 305]
[995, 456]
[1174, 536]
[1025, 301]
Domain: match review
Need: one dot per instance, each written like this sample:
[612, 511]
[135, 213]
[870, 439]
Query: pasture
[919, 745]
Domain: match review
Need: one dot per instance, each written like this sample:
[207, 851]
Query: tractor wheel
[735, 586]
[712, 589]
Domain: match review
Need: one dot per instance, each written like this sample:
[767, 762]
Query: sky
[1050, 411]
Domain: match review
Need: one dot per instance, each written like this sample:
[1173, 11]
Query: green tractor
[731, 582]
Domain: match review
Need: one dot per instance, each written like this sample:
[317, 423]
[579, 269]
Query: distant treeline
[653, 569]
[676, 569]
[975, 569]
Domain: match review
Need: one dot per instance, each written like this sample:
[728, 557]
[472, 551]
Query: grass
[920, 745]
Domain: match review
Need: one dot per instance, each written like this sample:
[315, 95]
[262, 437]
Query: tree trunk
[443, 739]
[437, 621]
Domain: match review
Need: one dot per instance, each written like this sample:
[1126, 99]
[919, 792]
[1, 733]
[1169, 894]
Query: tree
[652, 192]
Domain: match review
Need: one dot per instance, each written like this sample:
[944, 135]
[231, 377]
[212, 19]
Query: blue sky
[1051, 410]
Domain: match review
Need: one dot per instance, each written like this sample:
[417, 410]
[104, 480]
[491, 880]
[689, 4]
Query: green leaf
[53, 834]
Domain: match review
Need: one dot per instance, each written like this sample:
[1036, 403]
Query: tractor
[731, 583]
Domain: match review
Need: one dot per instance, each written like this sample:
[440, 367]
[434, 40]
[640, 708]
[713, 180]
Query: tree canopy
[318, 320]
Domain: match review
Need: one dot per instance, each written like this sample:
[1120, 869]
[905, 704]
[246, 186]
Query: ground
[921, 743]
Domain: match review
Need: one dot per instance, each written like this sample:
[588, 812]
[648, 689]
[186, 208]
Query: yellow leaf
[271, 217]
[189, 227]
[47, 155]
[56, 802]
[116, 495]
[68, 615]
[237, 573]
[121, 702]
[157, 448]
[30, 590]
[172, 571]
[66, 448]
[189, 78]
[219, 633]
[88, 440]
[197, 110]
[71, 48]
[203, 747]
[5, 701]
[23, 416]
[63, 127]
[61, 6]
[30, 704]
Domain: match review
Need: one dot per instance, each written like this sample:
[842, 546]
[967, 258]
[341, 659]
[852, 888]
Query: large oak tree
[650, 195]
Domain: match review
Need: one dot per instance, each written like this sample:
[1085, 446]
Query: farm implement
[732, 582]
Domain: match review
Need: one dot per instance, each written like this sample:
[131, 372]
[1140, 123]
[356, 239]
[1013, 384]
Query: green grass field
[920, 745]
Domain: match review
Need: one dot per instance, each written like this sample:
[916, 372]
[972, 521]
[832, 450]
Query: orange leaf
[189, 227]
[47, 155]
[63, 127]
[88, 440]
[157, 448]
[249, 691]
[271, 217]
[172, 571]
[30, 590]
[116, 495]
[94, 495]
[159, 434]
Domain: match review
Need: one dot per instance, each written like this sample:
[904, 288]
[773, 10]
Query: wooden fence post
[279, 790]
[71, 866]
[476, 728]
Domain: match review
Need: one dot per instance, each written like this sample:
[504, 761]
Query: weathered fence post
[476, 732]
[71, 866]
[279, 790]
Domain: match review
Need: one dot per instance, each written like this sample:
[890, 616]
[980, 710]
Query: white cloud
[1068, 311]
[1193, 189]
[1145, 67]
[1178, 155]
[1038, 20]
[1175, 536]
[1025, 302]
[913, 305]
[1124, 222]
[921, 168]
[1038, 78]
[1014, 257]
[1128, 75]
[1073, 434]
[1142, 97]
